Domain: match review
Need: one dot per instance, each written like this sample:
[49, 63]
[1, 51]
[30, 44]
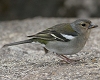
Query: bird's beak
[92, 26]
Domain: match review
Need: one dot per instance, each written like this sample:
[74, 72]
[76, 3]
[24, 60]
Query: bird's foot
[71, 60]
[67, 60]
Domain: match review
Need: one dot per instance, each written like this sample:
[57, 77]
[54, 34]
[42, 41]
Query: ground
[29, 61]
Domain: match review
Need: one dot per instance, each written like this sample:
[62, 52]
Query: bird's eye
[83, 25]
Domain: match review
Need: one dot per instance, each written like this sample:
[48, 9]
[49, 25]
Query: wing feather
[53, 33]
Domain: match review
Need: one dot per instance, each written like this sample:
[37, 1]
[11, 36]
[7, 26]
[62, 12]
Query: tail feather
[20, 42]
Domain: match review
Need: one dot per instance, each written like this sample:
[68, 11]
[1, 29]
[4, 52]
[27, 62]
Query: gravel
[29, 61]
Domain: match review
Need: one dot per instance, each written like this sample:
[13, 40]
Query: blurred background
[22, 9]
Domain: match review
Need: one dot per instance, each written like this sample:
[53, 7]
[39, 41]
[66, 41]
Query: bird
[63, 38]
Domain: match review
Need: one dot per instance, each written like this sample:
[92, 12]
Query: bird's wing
[50, 34]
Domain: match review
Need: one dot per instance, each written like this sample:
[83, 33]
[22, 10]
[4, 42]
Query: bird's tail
[20, 42]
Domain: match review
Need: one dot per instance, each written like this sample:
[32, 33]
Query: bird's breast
[70, 47]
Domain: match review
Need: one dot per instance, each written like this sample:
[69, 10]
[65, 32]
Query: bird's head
[83, 25]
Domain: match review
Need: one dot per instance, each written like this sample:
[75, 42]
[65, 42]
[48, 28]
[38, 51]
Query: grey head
[82, 25]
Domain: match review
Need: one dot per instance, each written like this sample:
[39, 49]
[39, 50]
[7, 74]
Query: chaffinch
[62, 39]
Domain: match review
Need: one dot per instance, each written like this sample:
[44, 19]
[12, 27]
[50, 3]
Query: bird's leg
[66, 59]
[46, 51]
[61, 57]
